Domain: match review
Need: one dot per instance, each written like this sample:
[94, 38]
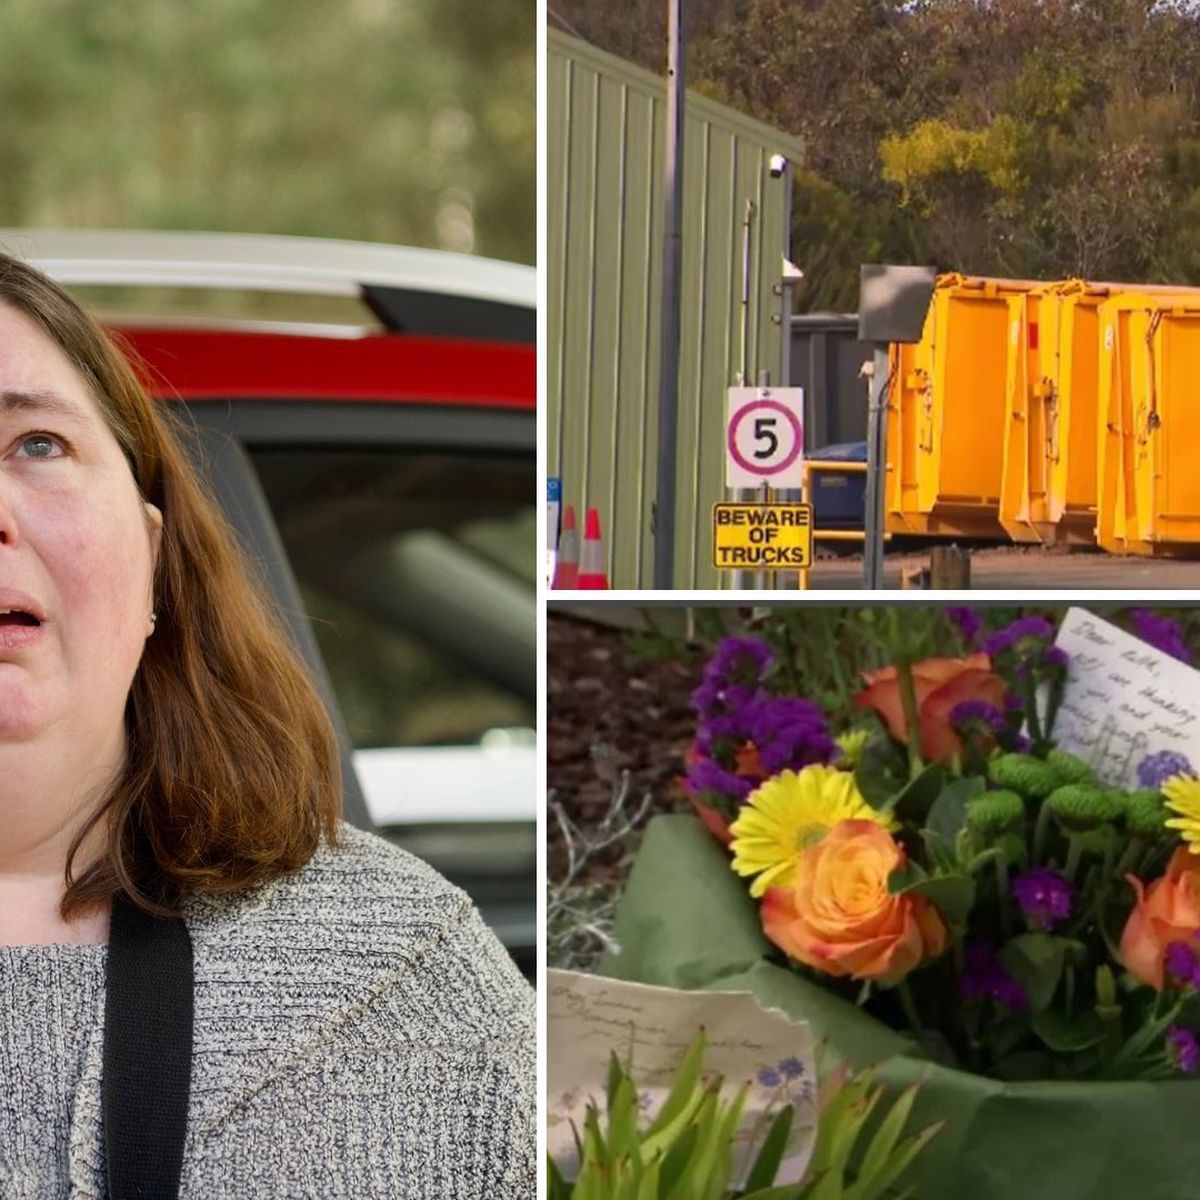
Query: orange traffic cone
[592, 576]
[566, 567]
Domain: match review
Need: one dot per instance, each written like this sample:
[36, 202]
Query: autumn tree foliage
[1029, 138]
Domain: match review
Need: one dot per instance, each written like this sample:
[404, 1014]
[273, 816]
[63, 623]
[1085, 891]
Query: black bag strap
[147, 1052]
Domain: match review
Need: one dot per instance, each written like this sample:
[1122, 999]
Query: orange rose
[940, 684]
[838, 916]
[1167, 911]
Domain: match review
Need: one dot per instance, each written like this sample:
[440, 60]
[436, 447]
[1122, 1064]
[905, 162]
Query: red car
[377, 454]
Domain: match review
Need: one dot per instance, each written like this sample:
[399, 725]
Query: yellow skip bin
[946, 413]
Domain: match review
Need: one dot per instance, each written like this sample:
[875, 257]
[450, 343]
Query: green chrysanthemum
[1182, 793]
[1023, 773]
[1145, 814]
[1069, 768]
[1080, 807]
[995, 812]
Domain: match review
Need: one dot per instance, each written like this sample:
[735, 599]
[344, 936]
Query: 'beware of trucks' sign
[770, 537]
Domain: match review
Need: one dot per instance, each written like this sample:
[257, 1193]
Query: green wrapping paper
[687, 921]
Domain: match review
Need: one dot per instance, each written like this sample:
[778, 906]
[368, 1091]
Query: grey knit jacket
[358, 1033]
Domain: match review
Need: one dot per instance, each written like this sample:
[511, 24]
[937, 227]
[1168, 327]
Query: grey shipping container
[826, 360]
[605, 166]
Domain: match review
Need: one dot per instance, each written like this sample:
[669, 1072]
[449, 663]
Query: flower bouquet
[955, 898]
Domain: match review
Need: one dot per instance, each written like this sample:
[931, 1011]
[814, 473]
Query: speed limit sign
[764, 438]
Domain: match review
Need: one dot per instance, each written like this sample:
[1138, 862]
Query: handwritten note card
[1123, 700]
[590, 1017]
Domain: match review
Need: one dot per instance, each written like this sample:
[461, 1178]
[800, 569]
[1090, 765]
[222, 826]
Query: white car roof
[264, 262]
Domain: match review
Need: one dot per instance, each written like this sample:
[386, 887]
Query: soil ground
[611, 708]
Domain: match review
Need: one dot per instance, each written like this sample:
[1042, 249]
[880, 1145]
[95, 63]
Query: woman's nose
[8, 518]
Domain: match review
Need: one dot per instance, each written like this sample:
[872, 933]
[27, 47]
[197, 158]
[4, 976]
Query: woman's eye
[40, 445]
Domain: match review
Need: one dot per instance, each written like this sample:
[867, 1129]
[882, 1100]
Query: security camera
[778, 165]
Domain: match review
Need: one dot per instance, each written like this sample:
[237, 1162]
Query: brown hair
[232, 773]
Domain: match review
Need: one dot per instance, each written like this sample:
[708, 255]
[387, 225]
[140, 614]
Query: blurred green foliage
[1030, 138]
[405, 121]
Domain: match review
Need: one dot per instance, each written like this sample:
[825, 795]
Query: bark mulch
[611, 707]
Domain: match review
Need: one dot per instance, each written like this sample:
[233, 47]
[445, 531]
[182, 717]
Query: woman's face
[77, 550]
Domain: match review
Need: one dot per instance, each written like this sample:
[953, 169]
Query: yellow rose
[838, 916]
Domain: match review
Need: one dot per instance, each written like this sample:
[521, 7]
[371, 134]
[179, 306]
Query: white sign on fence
[1123, 700]
[764, 437]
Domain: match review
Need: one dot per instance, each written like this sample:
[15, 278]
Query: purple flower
[1161, 632]
[1056, 656]
[769, 1077]
[968, 622]
[1183, 965]
[784, 732]
[1183, 1049]
[1031, 627]
[788, 733]
[984, 978]
[1155, 769]
[977, 715]
[791, 1068]
[739, 660]
[732, 676]
[1044, 897]
[1026, 635]
[704, 775]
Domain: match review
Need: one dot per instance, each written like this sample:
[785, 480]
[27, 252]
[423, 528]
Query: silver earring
[153, 618]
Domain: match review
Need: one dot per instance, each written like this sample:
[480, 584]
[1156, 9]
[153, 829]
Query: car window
[418, 572]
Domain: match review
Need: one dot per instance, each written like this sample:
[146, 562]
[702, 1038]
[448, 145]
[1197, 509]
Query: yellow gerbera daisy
[789, 813]
[1182, 794]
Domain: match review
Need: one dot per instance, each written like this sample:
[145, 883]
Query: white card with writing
[1123, 700]
[591, 1018]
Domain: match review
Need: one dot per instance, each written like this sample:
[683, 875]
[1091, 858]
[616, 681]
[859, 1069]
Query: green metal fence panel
[605, 163]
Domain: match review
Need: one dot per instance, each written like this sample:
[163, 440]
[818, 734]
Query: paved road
[1026, 570]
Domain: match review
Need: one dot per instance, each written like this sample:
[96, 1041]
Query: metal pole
[668, 380]
[788, 579]
[876, 466]
[744, 580]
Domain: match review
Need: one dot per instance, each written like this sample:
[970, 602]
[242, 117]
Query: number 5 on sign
[764, 438]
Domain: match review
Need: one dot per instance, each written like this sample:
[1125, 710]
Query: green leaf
[557, 1187]
[846, 1121]
[770, 1154]
[913, 802]
[785, 1191]
[1067, 1034]
[676, 1159]
[681, 1092]
[949, 811]
[648, 1185]
[939, 851]
[878, 1185]
[623, 1119]
[952, 895]
[907, 877]
[886, 1137]
[1035, 961]
[882, 770]
[615, 1074]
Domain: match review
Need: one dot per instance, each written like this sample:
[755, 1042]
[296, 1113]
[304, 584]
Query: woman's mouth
[18, 629]
[16, 616]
